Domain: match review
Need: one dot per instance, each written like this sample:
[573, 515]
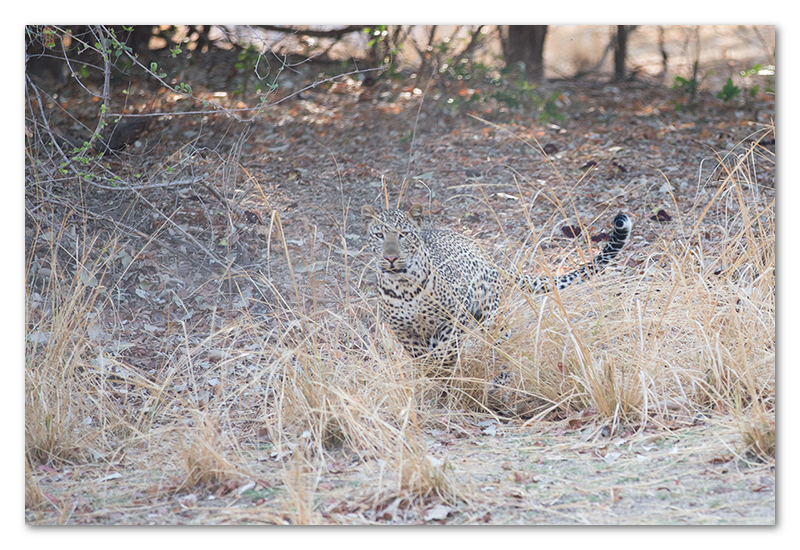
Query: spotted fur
[433, 284]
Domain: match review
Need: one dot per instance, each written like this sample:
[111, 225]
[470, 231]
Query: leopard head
[394, 235]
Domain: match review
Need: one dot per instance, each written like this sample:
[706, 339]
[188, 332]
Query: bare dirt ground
[312, 161]
[505, 475]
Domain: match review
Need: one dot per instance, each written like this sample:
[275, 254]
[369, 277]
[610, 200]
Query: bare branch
[335, 33]
[103, 40]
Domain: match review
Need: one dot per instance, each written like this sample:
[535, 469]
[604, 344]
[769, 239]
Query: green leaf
[729, 91]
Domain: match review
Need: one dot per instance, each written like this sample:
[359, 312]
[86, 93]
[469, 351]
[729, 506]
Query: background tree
[525, 44]
[621, 50]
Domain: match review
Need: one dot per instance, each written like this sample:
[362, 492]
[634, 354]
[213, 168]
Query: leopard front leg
[444, 344]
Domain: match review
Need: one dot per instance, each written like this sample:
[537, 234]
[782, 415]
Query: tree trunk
[620, 52]
[526, 45]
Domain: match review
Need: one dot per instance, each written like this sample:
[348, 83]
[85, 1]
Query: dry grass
[692, 330]
[61, 417]
[279, 402]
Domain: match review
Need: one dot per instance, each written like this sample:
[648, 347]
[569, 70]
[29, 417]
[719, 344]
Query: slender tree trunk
[664, 56]
[620, 52]
[526, 45]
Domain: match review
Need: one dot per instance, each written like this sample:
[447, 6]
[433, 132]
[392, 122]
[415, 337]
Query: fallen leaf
[490, 430]
[618, 167]
[38, 337]
[518, 477]
[52, 498]
[109, 477]
[438, 512]
[661, 216]
[246, 487]
[303, 267]
[612, 457]
[253, 218]
[721, 459]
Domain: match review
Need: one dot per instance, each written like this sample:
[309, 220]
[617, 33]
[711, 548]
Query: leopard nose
[390, 259]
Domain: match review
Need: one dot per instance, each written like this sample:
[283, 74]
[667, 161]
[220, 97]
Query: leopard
[434, 284]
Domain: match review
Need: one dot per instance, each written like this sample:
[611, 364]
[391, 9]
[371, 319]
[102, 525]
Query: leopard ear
[368, 212]
[416, 213]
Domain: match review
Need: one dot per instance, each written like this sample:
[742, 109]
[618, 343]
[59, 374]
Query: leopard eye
[379, 234]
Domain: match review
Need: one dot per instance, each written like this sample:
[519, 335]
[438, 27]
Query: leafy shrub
[729, 91]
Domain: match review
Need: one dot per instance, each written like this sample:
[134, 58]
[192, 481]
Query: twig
[158, 185]
[416, 121]
[68, 161]
[101, 122]
[335, 33]
[182, 231]
[117, 223]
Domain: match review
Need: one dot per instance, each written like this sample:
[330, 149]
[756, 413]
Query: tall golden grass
[681, 326]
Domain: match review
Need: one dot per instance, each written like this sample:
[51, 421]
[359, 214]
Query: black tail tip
[621, 222]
